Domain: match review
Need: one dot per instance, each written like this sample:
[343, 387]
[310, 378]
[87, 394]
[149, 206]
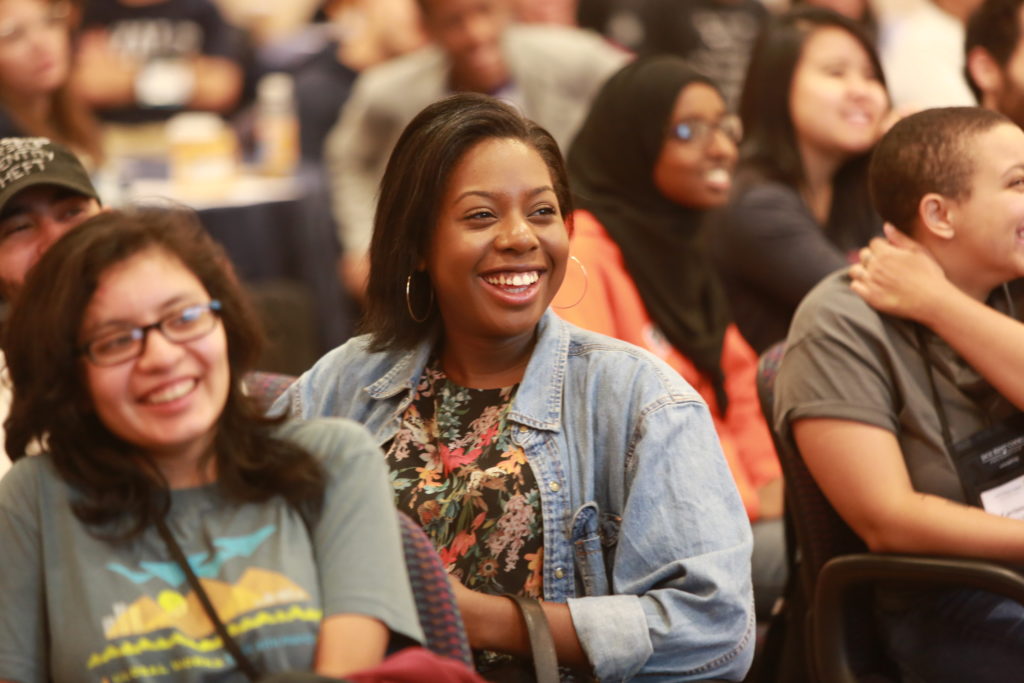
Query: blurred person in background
[655, 155]
[36, 97]
[715, 36]
[813, 106]
[921, 47]
[144, 60]
[994, 51]
[374, 31]
[44, 192]
[546, 11]
[549, 72]
[359, 34]
[860, 11]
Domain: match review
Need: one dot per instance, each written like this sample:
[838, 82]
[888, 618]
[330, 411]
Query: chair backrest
[435, 601]
[265, 387]
[820, 532]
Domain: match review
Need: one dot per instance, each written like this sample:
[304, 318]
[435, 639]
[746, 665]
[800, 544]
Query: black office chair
[836, 573]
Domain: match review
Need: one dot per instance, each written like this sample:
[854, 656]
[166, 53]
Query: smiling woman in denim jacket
[543, 460]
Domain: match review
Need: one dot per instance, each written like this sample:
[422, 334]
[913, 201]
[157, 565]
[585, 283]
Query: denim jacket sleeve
[681, 607]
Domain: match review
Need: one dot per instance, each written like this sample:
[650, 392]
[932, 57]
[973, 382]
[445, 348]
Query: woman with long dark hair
[814, 103]
[36, 98]
[163, 497]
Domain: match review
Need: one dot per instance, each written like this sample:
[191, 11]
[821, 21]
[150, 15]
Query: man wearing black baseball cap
[44, 192]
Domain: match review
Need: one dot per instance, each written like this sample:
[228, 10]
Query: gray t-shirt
[845, 360]
[73, 607]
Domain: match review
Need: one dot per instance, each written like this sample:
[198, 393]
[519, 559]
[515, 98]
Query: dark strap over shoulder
[542, 645]
[243, 662]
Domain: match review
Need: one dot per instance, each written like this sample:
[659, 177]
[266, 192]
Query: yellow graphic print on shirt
[174, 620]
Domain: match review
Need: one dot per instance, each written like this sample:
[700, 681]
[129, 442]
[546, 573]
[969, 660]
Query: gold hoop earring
[408, 301]
[586, 285]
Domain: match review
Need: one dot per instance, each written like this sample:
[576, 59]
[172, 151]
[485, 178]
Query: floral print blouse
[455, 470]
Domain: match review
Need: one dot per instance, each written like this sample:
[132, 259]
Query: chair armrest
[842, 573]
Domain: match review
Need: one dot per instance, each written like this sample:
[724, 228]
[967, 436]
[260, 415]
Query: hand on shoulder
[897, 276]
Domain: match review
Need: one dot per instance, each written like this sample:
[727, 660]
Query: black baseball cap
[25, 162]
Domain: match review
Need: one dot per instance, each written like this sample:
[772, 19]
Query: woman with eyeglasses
[161, 483]
[654, 156]
[813, 105]
[36, 98]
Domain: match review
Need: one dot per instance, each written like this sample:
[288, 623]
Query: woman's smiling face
[34, 47]
[167, 401]
[837, 101]
[698, 172]
[498, 252]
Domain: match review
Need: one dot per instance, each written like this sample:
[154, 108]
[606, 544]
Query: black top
[770, 252]
[179, 28]
[715, 37]
[322, 86]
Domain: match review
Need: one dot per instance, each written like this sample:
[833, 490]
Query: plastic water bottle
[277, 126]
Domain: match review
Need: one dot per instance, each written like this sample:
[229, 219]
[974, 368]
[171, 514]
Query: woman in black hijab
[657, 152]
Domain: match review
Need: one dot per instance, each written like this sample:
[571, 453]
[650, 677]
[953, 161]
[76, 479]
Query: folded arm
[493, 622]
[682, 606]
[107, 79]
[349, 643]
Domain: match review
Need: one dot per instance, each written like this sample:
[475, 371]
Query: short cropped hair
[414, 183]
[995, 27]
[927, 152]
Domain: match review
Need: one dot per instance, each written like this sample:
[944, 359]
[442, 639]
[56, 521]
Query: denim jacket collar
[538, 402]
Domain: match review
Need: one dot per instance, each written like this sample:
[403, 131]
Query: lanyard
[981, 459]
[947, 436]
[940, 409]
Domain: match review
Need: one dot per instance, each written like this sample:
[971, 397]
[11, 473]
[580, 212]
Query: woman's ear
[937, 214]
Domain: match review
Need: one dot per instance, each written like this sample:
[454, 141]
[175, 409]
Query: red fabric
[417, 665]
[612, 306]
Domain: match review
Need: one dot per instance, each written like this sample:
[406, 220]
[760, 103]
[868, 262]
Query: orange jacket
[612, 305]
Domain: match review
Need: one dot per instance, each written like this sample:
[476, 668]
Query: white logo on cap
[20, 157]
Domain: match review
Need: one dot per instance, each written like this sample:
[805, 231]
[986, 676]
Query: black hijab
[611, 164]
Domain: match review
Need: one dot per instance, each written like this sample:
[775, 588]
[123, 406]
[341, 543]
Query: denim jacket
[645, 536]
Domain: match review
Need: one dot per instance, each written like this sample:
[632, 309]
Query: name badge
[991, 467]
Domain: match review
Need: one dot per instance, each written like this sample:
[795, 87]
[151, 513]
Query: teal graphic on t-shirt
[171, 573]
[166, 630]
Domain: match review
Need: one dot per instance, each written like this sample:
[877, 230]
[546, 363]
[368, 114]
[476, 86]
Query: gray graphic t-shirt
[73, 607]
